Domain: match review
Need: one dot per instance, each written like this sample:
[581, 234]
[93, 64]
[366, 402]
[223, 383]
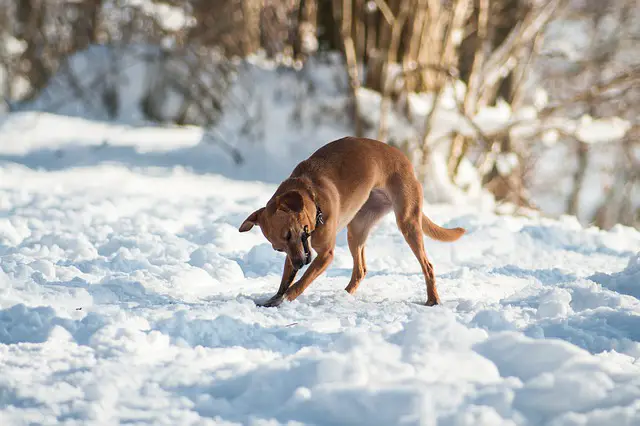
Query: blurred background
[521, 105]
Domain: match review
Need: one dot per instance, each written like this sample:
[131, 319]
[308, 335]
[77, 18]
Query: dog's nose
[298, 263]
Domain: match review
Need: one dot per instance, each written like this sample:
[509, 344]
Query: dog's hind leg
[407, 204]
[356, 236]
[377, 205]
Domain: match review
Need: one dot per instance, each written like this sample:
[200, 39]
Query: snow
[626, 281]
[13, 46]
[127, 295]
[603, 130]
[170, 18]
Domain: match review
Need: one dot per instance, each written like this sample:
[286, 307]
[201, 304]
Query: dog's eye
[288, 236]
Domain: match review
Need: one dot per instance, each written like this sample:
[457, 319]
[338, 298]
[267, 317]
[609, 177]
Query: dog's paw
[273, 302]
[432, 302]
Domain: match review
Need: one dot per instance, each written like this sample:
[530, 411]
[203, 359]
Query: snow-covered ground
[127, 296]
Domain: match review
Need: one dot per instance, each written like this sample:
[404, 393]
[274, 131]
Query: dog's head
[285, 222]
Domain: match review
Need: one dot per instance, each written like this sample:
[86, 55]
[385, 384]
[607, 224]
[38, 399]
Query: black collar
[319, 218]
[319, 221]
[307, 186]
[307, 234]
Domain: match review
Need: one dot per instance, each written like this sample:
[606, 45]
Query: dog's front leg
[288, 275]
[317, 267]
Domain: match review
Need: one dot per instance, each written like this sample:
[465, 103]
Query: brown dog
[349, 182]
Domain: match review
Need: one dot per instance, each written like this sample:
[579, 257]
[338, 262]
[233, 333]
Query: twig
[632, 77]
[386, 11]
[352, 66]
[234, 152]
[392, 52]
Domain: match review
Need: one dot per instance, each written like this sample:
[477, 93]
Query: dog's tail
[438, 232]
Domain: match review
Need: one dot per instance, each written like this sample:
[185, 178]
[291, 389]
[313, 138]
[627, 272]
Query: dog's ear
[251, 220]
[290, 201]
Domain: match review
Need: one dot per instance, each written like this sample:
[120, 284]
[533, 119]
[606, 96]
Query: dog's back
[355, 164]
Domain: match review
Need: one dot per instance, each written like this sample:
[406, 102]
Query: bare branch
[386, 11]
[392, 53]
[630, 77]
[501, 62]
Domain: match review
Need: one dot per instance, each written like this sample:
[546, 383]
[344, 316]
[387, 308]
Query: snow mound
[626, 281]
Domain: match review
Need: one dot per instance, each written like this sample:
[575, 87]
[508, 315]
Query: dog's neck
[307, 186]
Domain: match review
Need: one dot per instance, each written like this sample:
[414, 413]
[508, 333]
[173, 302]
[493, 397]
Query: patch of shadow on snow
[565, 307]
[596, 330]
[20, 323]
[262, 260]
[9, 397]
[203, 158]
[557, 377]
[626, 281]
[545, 276]
[412, 374]
[301, 392]
[225, 331]
[507, 350]
[556, 237]
[116, 291]
[585, 294]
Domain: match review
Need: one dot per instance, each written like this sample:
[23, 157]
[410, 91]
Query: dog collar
[307, 234]
[319, 221]
[319, 217]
